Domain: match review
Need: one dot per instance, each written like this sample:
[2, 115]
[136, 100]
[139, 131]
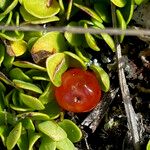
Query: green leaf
[9, 8]
[2, 87]
[72, 38]
[33, 137]
[26, 64]
[82, 54]
[34, 116]
[15, 97]
[27, 123]
[74, 60]
[119, 3]
[89, 11]
[121, 23]
[109, 40]
[2, 129]
[2, 106]
[27, 86]
[5, 79]
[17, 73]
[14, 136]
[138, 2]
[19, 108]
[65, 144]
[12, 36]
[7, 118]
[52, 109]
[17, 48]
[70, 3]
[102, 9]
[3, 4]
[53, 130]
[8, 61]
[23, 142]
[148, 145]
[90, 40]
[56, 65]
[128, 10]
[31, 102]
[8, 97]
[48, 95]
[29, 19]
[2, 53]
[47, 144]
[48, 45]
[44, 11]
[102, 77]
[74, 134]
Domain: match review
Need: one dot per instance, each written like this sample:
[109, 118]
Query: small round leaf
[73, 132]
[44, 11]
[53, 130]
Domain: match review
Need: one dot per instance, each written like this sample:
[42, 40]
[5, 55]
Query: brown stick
[130, 113]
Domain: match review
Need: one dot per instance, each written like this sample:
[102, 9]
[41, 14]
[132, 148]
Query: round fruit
[79, 92]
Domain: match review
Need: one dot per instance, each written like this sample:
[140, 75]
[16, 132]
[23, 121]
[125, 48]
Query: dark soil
[112, 132]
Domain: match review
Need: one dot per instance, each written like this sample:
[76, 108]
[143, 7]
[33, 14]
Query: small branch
[131, 116]
[95, 117]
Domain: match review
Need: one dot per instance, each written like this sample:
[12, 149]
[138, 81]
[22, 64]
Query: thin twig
[78, 30]
[131, 116]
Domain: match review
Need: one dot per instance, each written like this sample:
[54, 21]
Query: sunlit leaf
[27, 86]
[31, 102]
[34, 20]
[121, 23]
[73, 132]
[89, 11]
[33, 137]
[72, 38]
[27, 64]
[16, 48]
[148, 145]
[138, 2]
[44, 11]
[56, 65]
[90, 40]
[13, 136]
[53, 130]
[47, 144]
[102, 77]
[74, 60]
[65, 144]
[119, 3]
[34, 115]
[48, 45]
[17, 73]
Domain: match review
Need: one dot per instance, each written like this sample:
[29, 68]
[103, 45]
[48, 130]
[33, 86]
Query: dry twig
[130, 113]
